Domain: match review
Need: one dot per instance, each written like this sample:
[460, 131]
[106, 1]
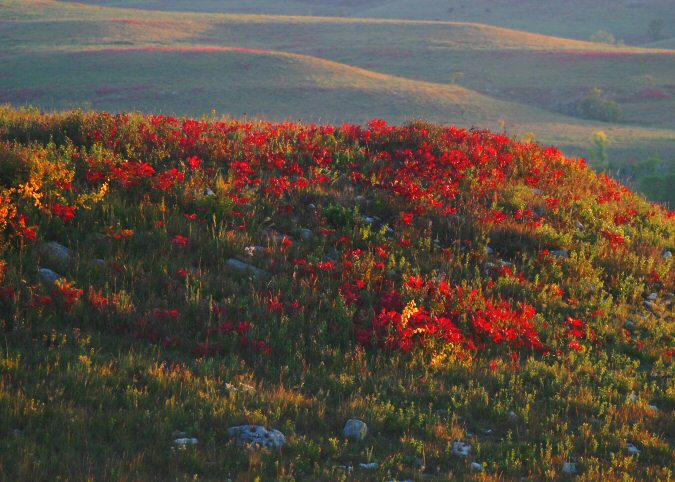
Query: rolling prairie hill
[628, 20]
[336, 69]
[198, 299]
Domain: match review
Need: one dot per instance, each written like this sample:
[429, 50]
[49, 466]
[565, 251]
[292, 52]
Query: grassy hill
[339, 69]
[492, 310]
[625, 19]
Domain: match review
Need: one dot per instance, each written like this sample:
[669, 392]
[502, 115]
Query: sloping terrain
[479, 308]
[346, 69]
[635, 22]
[280, 86]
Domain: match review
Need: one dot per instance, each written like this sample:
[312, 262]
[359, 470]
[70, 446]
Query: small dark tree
[594, 105]
[656, 29]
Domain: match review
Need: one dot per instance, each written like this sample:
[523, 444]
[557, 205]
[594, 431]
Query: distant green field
[59, 55]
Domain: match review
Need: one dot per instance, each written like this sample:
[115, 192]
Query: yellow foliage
[88, 201]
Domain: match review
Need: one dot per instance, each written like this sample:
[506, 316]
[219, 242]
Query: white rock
[370, 466]
[461, 449]
[355, 430]
[569, 468]
[476, 467]
[536, 191]
[241, 266]
[489, 250]
[487, 431]
[667, 255]
[311, 207]
[579, 225]
[653, 297]
[257, 436]
[306, 233]
[368, 219]
[512, 416]
[632, 397]
[241, 388]
[48, 276]
[653, 408]
[632, 449]
[186, 441]
[209, 192]
[57, 251]
[99, 262]
[253, 250]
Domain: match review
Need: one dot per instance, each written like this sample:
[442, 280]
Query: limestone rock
[355, 430]
[257, 436]
[241, 266]
[48, 276]
[57, 252]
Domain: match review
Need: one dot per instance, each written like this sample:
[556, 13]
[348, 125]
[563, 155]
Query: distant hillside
[343, 69]
[635, 22]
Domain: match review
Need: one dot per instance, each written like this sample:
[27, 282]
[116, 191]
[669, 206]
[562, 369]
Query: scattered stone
[476, 467]
[257, 436]
[560, 253]
[632, 449]
[186, 441]
[487, 431]
[370, 466]
[569, 468]
[255, 250]
[512, 416]
[536, 191]
[653, 408]
[311, 207]
[241, 266]
[653, 297]
[650, 305]
[360, 198]
[489, 250]
[243, 387]
[632, 397]
[355, 430]
[99, 262]
[368, 219]
[579, 225]
[48, 276]
[667, 255]
[306, 233]
[57, 251]
[461, 449]
[209, 192]
[347, 468]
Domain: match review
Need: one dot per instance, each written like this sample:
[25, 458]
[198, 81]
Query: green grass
[100, 392]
